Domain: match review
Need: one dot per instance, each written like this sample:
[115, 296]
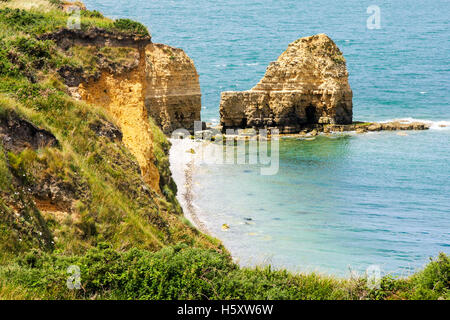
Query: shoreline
[182, 166]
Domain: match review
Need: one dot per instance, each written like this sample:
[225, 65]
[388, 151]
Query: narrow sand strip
[182, 165]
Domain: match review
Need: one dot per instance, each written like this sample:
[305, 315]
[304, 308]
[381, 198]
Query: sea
[337, 205]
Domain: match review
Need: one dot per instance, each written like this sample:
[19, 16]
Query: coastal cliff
[133, 79]
[308, 84]
[81, 159]
[172, 93]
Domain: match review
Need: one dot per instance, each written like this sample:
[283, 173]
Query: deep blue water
[353, 201]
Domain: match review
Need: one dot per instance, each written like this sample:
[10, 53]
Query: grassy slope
[111, 201]
[128, 241]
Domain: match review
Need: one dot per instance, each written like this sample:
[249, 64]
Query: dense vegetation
[83, 202]
[49, 17]
[182, 272]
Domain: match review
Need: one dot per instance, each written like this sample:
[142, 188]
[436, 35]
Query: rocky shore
[182, 165]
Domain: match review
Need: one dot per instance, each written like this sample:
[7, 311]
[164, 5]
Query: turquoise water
[335, 203]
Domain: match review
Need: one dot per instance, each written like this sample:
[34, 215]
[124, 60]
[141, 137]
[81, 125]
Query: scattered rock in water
[191, 151]
[374, 127]
[303, 212]
[361, 130]
[225, 227]
[248, 219]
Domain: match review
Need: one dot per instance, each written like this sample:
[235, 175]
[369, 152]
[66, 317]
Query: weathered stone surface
[106, 129]
[17, 134]
[172, 92]
[66, 38]
[308, 84]
[122, 96]
[69, 6]
[148, 80]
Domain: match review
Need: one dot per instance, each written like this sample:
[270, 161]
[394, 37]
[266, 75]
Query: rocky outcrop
[172, 89]
[67, 6]
[16, 134]
[66, 38]
[122, 96]
[172, 95]
[133, 79]
[308, 84]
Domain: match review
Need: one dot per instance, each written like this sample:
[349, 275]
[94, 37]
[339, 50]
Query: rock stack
[307, 85]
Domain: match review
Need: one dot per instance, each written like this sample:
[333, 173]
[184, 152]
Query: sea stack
[307, 85]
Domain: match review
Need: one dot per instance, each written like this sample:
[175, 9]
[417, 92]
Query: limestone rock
[308, 84]
[172, 93]
[134, 79]
[69, 6]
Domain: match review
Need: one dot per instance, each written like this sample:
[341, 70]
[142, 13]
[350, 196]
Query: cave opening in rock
[310, 114]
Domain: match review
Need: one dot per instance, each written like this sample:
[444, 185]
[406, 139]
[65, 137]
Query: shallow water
[335, 204]
[353, 201]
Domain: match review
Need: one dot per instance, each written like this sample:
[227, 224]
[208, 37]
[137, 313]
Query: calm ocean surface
[336, 204]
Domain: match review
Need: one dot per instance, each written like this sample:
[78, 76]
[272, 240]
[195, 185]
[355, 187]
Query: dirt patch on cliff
[16, 134]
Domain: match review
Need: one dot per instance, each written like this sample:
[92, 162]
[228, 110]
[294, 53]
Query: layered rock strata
[133, 80]
[172, 95]
[308, 84]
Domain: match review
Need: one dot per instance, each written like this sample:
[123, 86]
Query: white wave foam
[434, 125]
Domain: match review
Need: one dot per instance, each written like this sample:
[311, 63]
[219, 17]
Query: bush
[128, 25]
[20, 19]
[182, 272]
[434, 281]
[33, 47]
[6, 67]
[91, 14]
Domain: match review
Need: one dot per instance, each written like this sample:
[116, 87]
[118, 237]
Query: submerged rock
[308, 84]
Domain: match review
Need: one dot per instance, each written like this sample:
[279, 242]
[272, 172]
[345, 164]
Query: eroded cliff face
[308, 84]
[133, 79]
[172, 95]
[122, 95]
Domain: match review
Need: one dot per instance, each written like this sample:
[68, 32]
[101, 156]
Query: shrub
[434, 281]
[128, 25]
[91, 14]
[20, 19]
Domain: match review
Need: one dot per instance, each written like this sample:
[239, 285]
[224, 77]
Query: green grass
[127, 25]
[49, 18]
[182, 272]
